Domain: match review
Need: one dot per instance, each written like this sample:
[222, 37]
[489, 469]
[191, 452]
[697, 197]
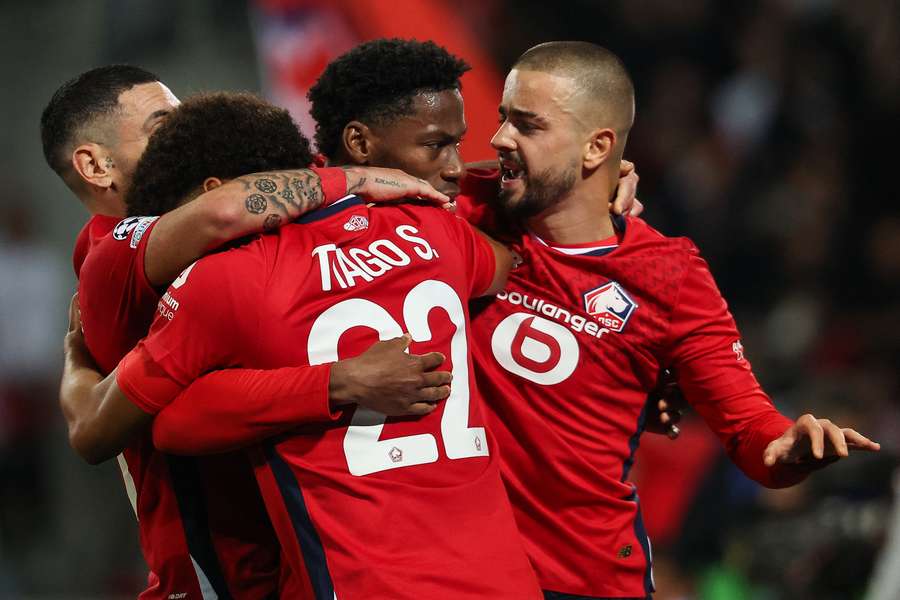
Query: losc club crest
[610, 305]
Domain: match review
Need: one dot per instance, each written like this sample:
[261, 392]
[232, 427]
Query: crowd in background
[765, 132]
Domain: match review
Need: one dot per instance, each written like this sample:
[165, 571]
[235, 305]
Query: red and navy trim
[308, 538]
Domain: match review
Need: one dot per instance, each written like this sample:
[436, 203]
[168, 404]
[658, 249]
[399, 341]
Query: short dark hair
[222, 135]
[376, 82]
[602, 78]
[79, 102]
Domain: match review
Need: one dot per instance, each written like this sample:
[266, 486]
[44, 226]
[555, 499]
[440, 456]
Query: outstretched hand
[815, 443]
[377, 184]
[386, 379]
[625, 202]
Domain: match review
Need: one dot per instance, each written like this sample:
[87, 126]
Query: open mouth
[510, 172]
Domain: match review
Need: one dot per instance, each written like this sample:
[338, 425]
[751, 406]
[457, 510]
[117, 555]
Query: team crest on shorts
[610, 305]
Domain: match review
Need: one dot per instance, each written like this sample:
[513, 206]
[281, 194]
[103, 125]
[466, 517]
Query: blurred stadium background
[766, 131]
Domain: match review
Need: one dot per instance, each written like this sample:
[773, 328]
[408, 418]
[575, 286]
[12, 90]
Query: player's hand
[73, 344]
[814, 443]
[376, 184]
[625, 202]
[388, 380]
[665, 406]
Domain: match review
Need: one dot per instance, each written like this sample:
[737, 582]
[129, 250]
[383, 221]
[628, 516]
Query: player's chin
[511, 198]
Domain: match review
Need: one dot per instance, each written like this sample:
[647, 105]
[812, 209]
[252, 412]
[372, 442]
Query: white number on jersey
[366, 453]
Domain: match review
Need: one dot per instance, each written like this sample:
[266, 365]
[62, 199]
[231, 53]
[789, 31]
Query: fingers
[401, 343]
[425, 191]
[627, 189]
[857, 441]
[74, 313]
[430, 361]
[637, 208]
[809, 426]
[834, 435]
[436, 378]
[780, 448]
[673, 431]
[771, 454]
[421, 408]
[434, 394]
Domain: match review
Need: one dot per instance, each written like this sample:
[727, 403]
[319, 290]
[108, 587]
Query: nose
[502, 140]
[455, 169]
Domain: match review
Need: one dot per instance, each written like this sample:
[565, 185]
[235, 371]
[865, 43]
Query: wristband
[334, 184]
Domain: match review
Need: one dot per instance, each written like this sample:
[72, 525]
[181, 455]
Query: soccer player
[567, 352]
[93, 131]
[390, 103]
[364, 506]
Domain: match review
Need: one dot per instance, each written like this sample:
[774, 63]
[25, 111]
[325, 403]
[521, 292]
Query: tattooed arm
[261, 202]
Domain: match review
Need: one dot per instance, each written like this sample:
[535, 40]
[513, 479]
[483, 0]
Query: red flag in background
[295, 39]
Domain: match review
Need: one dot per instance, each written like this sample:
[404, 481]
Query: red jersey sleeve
[716, 378]
[117, 302]
[334, 183]
[247, 405]
[477, 254]
[207, 318]
[477, 190]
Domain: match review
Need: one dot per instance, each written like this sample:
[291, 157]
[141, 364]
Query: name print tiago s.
[347, 266]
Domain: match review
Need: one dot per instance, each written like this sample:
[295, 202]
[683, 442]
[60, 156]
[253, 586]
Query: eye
[525, 127]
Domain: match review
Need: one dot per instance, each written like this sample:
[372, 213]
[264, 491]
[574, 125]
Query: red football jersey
[195, 549]
[364, 506]
[565, 357]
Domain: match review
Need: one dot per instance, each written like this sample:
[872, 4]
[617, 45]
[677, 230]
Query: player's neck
[106, 206]
[580, 218]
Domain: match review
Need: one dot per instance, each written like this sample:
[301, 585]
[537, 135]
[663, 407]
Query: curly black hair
[222, 135]
[376, 82]
[78, 103]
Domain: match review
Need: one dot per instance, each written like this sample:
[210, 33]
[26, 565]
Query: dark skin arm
[102, 420]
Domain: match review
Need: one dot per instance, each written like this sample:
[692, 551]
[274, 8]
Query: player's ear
[357, 142]
[211, 183]
[93, 165]
[598, 148]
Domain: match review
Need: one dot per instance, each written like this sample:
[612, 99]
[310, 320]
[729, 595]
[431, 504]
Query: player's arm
[503, 263]
[718, 381]
[263, 201]
[249, 405]
[246, 405]
[186, 339]
[98, 415]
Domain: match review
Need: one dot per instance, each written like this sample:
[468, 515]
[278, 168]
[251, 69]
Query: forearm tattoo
[272, 222]
[388, 182]
[291, 193]
[359, 183]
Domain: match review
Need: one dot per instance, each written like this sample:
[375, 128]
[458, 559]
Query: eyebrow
[443, 133]
[157, 114]
[521, 114]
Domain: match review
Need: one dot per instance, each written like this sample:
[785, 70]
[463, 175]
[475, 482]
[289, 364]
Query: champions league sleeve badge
[124, 227]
